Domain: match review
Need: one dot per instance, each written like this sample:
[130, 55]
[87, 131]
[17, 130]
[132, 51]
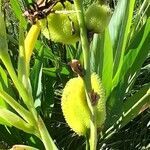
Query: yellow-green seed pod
[97, 17]
[61, 26]
[74, 104]
[100, 107]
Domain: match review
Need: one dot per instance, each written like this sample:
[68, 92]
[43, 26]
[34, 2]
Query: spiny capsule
[97, 17]
[63, 26]
[75, 108]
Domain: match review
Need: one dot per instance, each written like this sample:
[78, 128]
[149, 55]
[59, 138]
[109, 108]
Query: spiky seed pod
[74, 104]
[97, 17]
[61, 27]
[100, 107]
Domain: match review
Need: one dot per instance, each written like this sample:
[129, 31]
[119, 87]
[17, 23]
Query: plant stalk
[45, 137]
[23, 91]
[87, 77]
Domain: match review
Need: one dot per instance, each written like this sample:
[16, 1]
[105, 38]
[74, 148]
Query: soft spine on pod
[75, 108]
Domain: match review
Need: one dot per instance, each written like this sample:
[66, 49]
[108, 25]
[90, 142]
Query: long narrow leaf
[107, 63]
[16, 121]
[36, 75]
[114, 105]
[4, 56]
[135, 99]
[3, 40]
[17, 10]
[116, 22]
[137, 54]
[102, 59]
[16, 106]
[3, 85]
[97, 53]
[131, 109]
[123, 30]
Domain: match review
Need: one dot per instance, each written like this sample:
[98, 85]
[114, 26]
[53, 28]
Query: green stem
[87, 77]
[84, 41]
[4, 56]
[24, 93]
[87, 141]
[28, 100]
[47, 140]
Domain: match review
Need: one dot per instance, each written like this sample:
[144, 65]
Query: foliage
[33, 87]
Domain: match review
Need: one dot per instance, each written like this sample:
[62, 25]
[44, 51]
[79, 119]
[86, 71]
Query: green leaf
[135, 104]
[107, 72]
[18, 12]
[47, 50]
[53, 71]
[119, 30]
[139, 17]
[16, 121]
[17, 107]
[47, 140]
[3, 85]
[138, 50]
[97, 47]
[132, 107]
[102, 59]
[114, 105]
[116, 22]
[36, 75]
[3, 39]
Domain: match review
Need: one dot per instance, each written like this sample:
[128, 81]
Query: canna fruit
[97, 17]
[63, 26]
[59, 27]
[75, 108]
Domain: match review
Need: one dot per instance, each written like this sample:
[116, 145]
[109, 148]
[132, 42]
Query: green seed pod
[63, 26]
[100, 107]
[97, 17]
[75, 108]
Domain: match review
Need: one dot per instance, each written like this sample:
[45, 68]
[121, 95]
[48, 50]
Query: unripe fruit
[59, 26]
[100, 107]
[97, 17]
[75, 108]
